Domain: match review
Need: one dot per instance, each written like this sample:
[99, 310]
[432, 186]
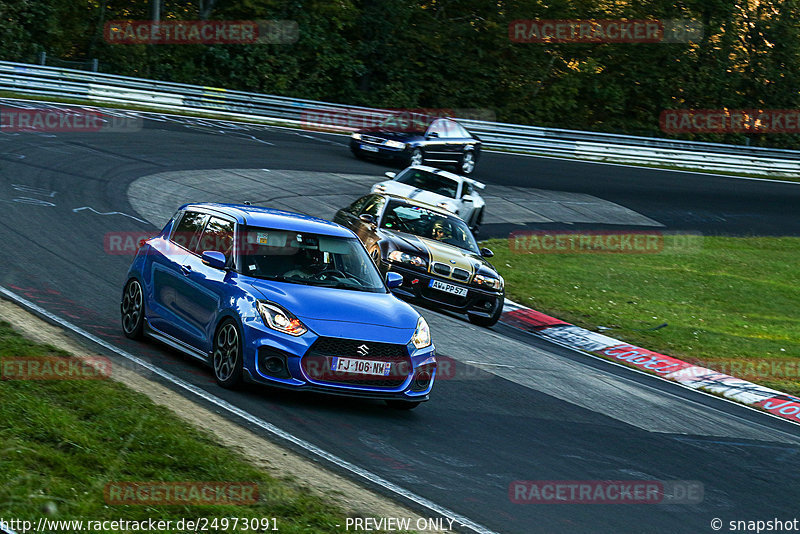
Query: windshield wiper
[276, 278]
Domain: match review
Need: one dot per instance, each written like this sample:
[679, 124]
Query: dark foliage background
[454, 54]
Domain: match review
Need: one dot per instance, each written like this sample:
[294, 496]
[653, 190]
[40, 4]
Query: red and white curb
[695, 377]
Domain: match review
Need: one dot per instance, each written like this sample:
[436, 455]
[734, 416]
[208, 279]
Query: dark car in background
[441, 142]
[433, 250]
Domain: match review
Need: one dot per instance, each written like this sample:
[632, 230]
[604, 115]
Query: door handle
[186, 269]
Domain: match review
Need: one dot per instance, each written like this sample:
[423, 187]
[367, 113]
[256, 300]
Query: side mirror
[214, 259]
[390, 175]
[394, 280]
[468, 198]
[431, 135]
[487, 253]
[367, 218]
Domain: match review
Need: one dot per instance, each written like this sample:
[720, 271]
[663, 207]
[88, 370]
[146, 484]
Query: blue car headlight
[391, 143]
[280, 319]
[422, 335]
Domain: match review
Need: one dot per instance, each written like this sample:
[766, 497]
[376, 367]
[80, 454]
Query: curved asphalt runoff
[518, 407]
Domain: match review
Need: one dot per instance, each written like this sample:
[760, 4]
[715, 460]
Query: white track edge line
[269, 427]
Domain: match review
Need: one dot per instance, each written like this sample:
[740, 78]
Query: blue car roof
[272, 218]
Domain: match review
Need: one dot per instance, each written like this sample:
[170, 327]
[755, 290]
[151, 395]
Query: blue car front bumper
[307, 362]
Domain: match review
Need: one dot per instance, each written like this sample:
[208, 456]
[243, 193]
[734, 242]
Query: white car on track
[457, 194]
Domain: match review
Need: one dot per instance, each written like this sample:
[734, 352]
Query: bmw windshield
[309, 259]
[423, 222]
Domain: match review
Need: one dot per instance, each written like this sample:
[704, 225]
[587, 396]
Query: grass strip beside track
[730, 305]
[62, 441]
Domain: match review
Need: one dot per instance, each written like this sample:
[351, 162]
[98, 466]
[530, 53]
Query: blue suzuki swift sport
[278, 298]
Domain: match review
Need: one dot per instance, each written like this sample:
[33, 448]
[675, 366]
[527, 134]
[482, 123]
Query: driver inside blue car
[308, 263]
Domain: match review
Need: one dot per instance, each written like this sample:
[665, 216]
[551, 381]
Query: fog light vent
[273, 363]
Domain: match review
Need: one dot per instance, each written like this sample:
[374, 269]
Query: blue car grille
[318, 360]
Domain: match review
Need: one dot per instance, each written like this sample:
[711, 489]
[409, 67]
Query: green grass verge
[732, 304]
[62, 441]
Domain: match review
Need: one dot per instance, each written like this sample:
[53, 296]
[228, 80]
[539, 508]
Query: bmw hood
[313, 304]
[437, 251]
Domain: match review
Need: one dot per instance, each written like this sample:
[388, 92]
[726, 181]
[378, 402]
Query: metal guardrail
[107, 88]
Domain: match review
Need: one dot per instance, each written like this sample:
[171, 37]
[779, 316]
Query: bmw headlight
[488, 281]
[422, 335]
[403, 257]
[394, 144]
[356, 136]
[280, 319]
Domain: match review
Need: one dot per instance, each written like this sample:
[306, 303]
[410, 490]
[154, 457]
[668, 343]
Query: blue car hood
[332, 312]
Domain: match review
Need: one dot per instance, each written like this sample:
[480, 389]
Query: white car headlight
[356, 136]
[422, 335]
[280, 319]
[394, 144]
[404, 257]
[488, 281]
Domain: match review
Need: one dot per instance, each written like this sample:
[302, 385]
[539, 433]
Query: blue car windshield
[309, 259]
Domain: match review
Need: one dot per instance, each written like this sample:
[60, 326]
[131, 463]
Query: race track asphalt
[521, 409]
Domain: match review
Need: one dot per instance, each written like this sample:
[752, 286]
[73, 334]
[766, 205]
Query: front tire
[487, 321]
[132, 310]
[227, 355]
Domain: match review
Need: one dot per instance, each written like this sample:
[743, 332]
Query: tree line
[455, 54]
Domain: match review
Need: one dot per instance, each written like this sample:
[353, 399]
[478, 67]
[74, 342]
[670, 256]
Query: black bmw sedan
[433, 250]
[440, 142]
